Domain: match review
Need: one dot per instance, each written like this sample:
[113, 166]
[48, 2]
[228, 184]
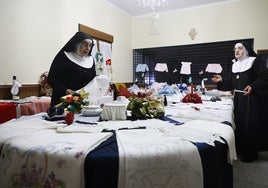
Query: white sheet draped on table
[151, 159]
[219, 129]
[213, 111]
[152, 153]
[36, 155]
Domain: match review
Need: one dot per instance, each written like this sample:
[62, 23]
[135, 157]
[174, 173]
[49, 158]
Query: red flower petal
[69, 118]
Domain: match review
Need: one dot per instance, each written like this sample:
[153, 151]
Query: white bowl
[91, 111]
[91, 107]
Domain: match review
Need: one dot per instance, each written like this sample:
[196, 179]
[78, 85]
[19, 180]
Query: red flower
[69, 118]
[142, 95]
[192, 98]
[69, 99]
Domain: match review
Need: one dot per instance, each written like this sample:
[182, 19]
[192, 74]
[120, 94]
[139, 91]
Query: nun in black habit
[249, 81]
[72, 68]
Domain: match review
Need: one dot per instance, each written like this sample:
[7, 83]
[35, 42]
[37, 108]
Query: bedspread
[11, 109]
[141, 153]
[36, 156]
[152, 159]
[218, 111]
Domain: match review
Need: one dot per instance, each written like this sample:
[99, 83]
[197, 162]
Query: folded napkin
[80, 128]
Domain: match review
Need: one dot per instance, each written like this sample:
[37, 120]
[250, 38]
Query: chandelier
[153, 3]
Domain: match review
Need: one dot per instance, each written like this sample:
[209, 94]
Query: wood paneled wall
[200, 55]
[26, 90]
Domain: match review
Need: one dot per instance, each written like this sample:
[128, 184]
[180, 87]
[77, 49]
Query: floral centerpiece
[143, 106]
[74, 102]
[192, 97]
[70, 104]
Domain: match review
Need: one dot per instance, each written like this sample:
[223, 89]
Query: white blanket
[213, 111]
[217, 129]
[36, 154]
[163, 154]
[151, 159]
[159, 156]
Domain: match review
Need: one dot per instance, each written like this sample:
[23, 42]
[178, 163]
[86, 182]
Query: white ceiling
[132, 8]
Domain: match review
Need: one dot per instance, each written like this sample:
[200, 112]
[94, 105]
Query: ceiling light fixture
[153, 3]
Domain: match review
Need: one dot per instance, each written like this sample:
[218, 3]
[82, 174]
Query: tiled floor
[251, 175]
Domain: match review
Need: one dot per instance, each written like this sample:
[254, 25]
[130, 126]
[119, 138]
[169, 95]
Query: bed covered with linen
[180, 150]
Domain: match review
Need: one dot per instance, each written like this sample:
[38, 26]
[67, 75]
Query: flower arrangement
[192, 98]
[74, 102]
[142, 107]
[70, 104]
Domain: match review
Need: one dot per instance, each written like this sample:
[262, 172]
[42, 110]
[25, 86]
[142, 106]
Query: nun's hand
[248, 90]
[216, 78]
[69, 91]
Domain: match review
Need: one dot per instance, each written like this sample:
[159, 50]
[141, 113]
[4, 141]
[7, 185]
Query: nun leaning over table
[72, 68]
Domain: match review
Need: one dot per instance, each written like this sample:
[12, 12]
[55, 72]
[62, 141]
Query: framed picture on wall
[263, 54]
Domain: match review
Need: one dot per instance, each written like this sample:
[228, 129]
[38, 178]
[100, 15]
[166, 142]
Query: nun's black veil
[250, 50]
[76, 39]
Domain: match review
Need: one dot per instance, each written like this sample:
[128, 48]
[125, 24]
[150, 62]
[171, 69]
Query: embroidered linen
[97, 88]
[214, 68]
[186, 68]
[219, 112]
[217, 128]
[114, 111]
[39, 155]
[161, 67]
[151, 159]
[142, 68]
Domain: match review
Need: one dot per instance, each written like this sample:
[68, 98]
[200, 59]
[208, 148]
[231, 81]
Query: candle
[203, 84]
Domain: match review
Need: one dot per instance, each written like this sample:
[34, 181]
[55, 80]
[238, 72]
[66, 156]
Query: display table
[7, 111]
[121, 154]
[10, 109]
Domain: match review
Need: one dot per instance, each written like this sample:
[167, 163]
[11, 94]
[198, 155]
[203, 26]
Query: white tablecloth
[157, 155]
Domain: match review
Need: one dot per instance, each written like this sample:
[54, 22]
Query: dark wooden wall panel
[199, 54]
[26, 90]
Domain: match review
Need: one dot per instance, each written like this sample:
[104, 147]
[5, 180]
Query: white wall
[237, 19]
[33, 31]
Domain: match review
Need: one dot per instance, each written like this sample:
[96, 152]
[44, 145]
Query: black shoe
[249, 158]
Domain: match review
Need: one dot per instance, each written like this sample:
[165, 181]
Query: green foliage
[146, 107]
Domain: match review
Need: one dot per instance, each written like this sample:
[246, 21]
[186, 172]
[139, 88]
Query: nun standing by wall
[72, 68]
[249, 81]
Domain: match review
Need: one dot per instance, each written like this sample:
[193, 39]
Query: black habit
[65, 74]
[250, 112]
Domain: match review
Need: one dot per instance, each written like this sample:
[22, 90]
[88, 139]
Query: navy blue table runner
[102, 165]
